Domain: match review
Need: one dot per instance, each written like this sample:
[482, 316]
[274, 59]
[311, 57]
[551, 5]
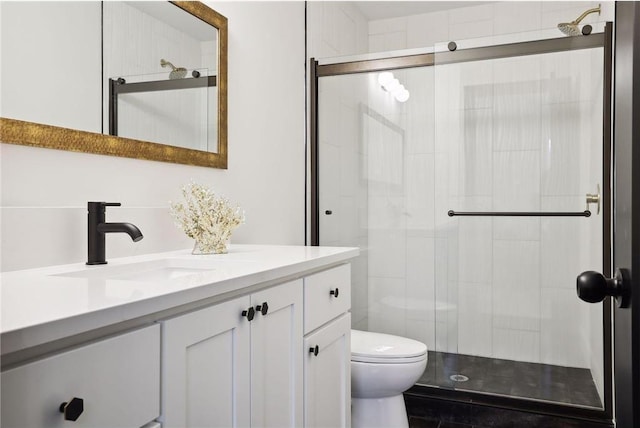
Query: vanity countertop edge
[39, 306]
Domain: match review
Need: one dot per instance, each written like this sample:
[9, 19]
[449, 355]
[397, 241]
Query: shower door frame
[604, 40]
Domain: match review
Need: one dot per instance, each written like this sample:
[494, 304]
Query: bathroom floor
[512, 378]
[428, 423]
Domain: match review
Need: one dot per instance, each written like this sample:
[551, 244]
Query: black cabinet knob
[263, 308]
[72, 409]
[314, 351]
[328, 212]
[249, 313]
[335, 292]
[593, 287]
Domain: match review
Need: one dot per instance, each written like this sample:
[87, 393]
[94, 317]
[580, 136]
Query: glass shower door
[376, 191]
[517, 136]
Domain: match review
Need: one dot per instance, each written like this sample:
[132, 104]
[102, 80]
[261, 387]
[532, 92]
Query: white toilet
[382, 368]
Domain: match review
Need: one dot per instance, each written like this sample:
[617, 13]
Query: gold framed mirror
[35, 133]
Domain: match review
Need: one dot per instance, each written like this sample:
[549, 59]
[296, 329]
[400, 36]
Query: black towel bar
[585, 213]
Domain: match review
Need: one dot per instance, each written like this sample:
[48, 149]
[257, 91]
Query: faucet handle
[100, 206]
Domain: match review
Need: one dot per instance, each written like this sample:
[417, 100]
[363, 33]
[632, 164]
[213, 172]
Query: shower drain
[458, 378]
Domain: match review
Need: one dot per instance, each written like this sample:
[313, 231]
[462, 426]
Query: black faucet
[97, 227]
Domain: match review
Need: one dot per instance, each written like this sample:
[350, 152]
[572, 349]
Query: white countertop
[41, 305]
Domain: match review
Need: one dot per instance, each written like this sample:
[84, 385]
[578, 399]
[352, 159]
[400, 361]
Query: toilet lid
[366, 346]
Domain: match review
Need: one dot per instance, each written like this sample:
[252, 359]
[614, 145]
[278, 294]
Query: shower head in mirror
[571, 28]
[176, 72]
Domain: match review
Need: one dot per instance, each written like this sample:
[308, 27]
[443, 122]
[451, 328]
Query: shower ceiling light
[403, 96]
[393, 86]
[384, 78]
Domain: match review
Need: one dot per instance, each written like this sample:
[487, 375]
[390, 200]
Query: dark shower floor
[512, 378]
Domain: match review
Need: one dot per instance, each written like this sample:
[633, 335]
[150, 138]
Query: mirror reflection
[158, 59]
[57, 65]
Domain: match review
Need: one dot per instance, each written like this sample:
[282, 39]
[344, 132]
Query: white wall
[55, 78]
[44, 192]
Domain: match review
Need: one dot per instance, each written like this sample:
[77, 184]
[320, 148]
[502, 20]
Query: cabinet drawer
[118, 379]
[320, 305]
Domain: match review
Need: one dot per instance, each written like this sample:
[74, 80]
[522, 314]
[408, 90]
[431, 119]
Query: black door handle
[593, 287]
[314, 350]
[335, 292]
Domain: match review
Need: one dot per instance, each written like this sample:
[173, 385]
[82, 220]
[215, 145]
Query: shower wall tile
[476, 157]
[385, 212]
[515, 308]
[475, 250]
[420, 183]
[516, 116]
[420, 277]
[516, 228]
[390, 25]
[450, 312]
[477, 96]
[347, 226]
[387, 253]
[516, 181]
[564, 316]
[423, 331]
[475, 319]
[561, 163]
[508, 16]
[561, 243]
[386, 305]
[516, 345]
[469, 30]
[471, 14]
[388, 41]
[427, 29]
[516, 265]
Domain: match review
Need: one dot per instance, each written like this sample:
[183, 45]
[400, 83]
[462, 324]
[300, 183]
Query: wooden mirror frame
[24, 133]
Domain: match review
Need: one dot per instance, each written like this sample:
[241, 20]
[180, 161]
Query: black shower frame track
[119, 86]
[561, 44]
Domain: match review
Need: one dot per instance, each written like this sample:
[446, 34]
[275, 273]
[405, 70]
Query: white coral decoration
[207, 218]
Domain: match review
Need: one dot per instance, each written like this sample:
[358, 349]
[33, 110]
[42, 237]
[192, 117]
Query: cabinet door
[205, 367]
[276, 362]
[327, 375]
[118, 380]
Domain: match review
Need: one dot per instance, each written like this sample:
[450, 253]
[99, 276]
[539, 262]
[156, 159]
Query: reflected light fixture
[392, 85]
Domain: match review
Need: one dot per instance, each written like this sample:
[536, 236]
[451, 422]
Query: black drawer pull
[263, 308]
[314, 351]
[250, 313]
[335, 292]
[72, 409]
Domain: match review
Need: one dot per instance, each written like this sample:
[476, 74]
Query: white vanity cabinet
[116, 378]
[327, 364]
[224, 346]
[236, 363]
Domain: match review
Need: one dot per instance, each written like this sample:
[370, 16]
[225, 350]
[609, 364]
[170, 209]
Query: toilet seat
[369, 347]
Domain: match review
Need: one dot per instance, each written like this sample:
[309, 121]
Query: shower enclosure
[476, 202]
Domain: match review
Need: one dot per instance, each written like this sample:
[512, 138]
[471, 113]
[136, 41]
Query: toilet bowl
[383, 366]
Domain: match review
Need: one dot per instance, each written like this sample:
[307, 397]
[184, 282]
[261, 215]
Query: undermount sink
[154, 270]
